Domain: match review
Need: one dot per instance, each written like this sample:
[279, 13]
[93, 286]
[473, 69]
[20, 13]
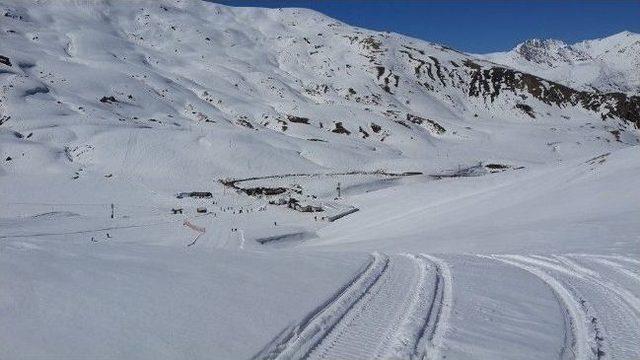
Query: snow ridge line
[577, 332]
[300, 340]
[436, 322]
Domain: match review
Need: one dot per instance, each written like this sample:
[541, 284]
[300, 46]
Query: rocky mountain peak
[549, 52]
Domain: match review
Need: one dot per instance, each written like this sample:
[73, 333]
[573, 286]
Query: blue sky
[478, 26]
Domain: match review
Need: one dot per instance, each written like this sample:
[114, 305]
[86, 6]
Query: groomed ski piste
[140, 294]
[186, 180]
[397, 308]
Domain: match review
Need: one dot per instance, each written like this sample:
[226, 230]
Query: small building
[195, 194]
[293, 203]
[279, 201]
[309, 208]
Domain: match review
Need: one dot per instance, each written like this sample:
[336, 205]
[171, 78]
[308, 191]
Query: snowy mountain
[609, 64]
[182, 179]
[290, 82]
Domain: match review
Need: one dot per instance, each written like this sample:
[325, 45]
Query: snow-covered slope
[557, 209]
[101, 88]
[181, 179]
[609, 64]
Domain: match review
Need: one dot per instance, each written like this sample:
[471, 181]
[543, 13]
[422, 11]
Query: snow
[556, 208]
[72, 298]
[503, 236]
[609, 64]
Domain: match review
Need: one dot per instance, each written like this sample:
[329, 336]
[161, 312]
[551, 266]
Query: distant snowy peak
[610, 64]
[549, 52]
[625, 44]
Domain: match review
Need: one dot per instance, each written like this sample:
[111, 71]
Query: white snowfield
[170, 172]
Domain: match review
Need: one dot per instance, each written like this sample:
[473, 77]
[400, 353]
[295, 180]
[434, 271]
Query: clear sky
[478, 26]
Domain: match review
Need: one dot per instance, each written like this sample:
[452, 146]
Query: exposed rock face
[490, 82]
[5, 60]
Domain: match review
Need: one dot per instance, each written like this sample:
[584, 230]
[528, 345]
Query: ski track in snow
[576, 334]
[298, 341]
[602, 315]
[397, 308]
[608, 284]
[438, 318]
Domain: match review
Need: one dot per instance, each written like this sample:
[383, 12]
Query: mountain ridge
[606, 64]
[188, 67]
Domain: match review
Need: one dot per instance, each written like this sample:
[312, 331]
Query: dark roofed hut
[195, 194]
